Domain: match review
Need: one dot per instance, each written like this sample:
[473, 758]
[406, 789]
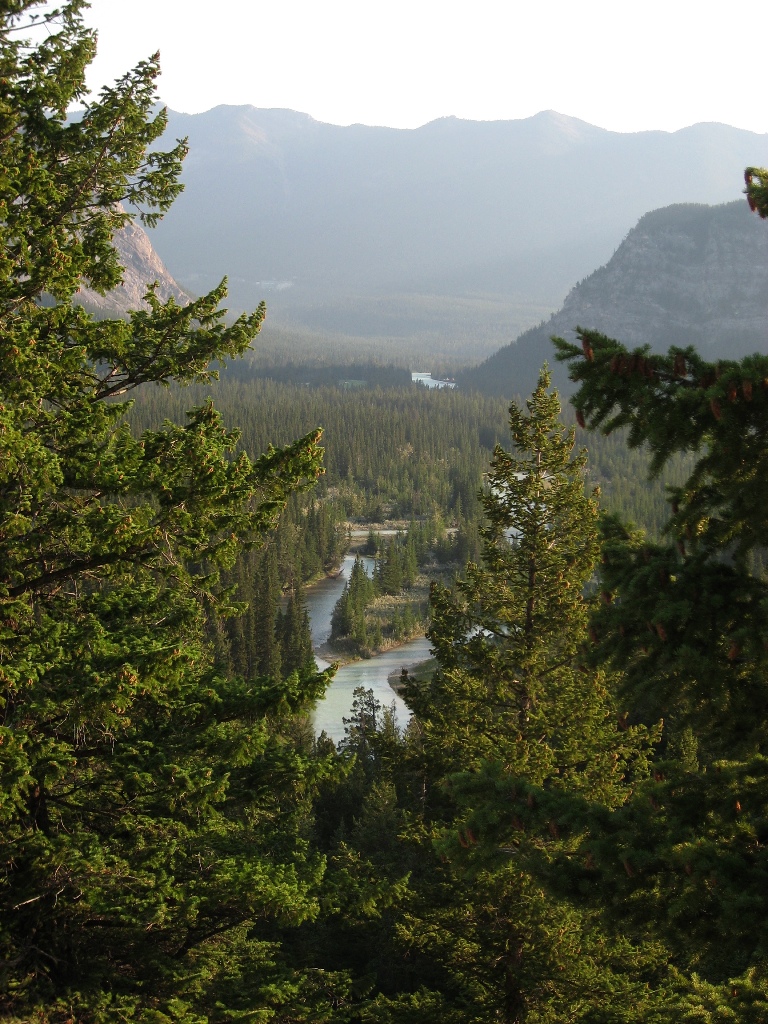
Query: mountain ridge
[686, 274]
[316, 217]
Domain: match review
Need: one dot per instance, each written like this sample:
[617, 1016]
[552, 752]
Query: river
[370, 673]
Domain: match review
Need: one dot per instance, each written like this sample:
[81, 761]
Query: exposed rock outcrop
[142, 267]
[684, 275]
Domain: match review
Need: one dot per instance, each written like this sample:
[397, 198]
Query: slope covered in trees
[403, 452]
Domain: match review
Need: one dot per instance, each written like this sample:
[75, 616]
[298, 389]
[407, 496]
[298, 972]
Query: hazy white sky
[625, 66]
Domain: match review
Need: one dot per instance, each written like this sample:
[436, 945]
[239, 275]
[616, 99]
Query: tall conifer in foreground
[512, 685]
[152, 812]
[514, 715]
[687, 623]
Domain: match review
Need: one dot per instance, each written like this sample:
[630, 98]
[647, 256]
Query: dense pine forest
[406, 452]
[572, 825]
[403, 455]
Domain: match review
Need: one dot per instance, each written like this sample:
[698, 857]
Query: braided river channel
[370, 673]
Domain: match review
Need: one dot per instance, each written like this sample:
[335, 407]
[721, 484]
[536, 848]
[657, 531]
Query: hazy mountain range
[470, 229]
[684, 275]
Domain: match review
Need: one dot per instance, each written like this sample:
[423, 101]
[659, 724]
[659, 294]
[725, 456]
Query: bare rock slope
[685, 275]
[142, 267]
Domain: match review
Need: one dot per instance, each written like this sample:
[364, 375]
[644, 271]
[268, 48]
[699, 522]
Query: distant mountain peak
[382, 231]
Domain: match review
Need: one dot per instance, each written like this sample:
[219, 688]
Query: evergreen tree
[685, 619]
[265, 605]
[513, 718]
[371, 546]
[151, 821]
[391, 568]
[342, 621]
[296, 637]
[348, 618]
[512, 685]
[410, 563]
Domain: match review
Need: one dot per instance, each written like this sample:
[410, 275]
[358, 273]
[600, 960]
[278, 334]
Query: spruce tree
[151, 820]
[296, 653]
[512, 684]
[266, 597]
[686, 621]
[516, 728]
[392, 568]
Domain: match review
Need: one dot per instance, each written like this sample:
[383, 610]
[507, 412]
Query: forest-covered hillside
[404, 452]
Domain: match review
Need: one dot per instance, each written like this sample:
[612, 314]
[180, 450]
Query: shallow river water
[370, 673]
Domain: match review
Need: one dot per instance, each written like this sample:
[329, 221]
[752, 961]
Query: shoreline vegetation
[385, 608]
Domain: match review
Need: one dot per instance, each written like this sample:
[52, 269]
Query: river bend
[370, 673]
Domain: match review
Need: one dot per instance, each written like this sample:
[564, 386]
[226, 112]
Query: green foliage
[685, 621]
[756, 179]
[348, 619]
[690, 616]
[152, 820]
[384, 603]
[174, 845]
[512, 684]
[409, 453]
[71, 176]
[378, 863]
[293, 631]
[680, 403]
[513, 717]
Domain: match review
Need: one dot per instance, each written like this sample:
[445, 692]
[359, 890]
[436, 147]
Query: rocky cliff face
[142, 267]
[684, 275]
